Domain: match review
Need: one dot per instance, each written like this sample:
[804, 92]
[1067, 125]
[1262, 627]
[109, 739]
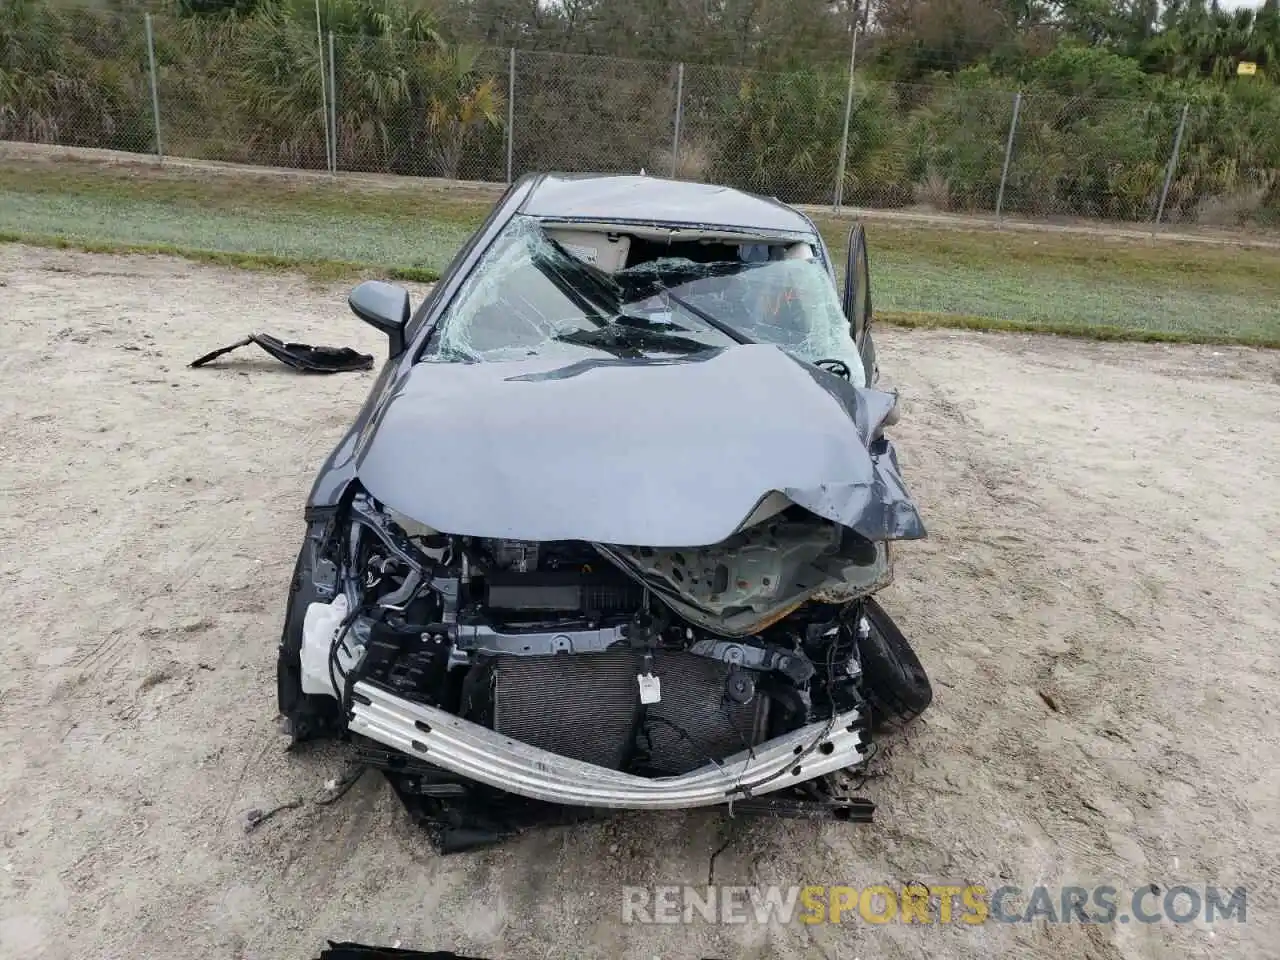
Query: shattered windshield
[533, 295]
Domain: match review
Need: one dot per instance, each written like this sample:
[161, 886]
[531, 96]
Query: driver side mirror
[384, 306]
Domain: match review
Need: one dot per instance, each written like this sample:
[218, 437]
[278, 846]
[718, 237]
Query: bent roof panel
[641, 199]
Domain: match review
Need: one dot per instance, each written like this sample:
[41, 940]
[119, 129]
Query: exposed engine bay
[607, 531]
[578, 648]
[546, 657]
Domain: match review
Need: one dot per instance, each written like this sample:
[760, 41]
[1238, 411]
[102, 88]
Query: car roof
[645, 199]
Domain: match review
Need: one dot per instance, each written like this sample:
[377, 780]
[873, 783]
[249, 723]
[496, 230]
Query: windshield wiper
[729, 331]
[632, 337]
[605, 287]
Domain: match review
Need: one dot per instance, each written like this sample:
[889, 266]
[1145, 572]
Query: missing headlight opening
[537, 588]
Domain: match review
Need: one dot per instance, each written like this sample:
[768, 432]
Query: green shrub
[242, 80]
[76, 77]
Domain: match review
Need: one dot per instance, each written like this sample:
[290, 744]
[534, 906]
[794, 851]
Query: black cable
[341, 787]
[684, 734]
[747, 744]
[826, 730]
[350, 678]
[864, 775]
[338, 636]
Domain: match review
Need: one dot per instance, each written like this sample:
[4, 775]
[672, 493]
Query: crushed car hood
[656, 452]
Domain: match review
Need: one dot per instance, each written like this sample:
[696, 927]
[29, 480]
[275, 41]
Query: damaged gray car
[606, 532]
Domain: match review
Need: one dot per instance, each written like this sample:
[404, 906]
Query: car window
[528, 296]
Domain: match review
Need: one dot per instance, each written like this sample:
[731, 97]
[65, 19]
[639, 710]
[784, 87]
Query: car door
[857, 301]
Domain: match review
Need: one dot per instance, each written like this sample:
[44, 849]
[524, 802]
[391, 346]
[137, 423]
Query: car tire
[895, 683]
[288, 666]
[308, 716]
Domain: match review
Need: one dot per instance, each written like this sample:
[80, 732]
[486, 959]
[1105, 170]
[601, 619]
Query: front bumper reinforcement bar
[481, 754]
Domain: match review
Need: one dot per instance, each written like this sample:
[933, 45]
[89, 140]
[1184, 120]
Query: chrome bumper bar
[481, 754]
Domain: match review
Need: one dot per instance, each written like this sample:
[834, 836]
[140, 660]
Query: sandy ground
[1097, 604]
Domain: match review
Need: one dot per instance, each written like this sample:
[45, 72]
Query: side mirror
[857, 301]
[384, 306]
[857, 283]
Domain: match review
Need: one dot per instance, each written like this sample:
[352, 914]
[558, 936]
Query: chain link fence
[74, 81]
[577, 113]
[275, 93]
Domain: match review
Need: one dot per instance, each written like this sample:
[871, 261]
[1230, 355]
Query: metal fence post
[1008, 152]
[675, 142]
[333, 110]
[1173, 164]
[155, 96]
[511, 112]
[844, 136]
[324, 95]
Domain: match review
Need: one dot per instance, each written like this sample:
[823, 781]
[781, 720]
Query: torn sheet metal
[759, 575]
[664, 455]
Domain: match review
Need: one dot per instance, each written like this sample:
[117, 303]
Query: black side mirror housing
[384, 306]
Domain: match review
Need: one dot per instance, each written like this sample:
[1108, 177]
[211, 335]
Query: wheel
[288, 668]
[894, 681]
[309, 716]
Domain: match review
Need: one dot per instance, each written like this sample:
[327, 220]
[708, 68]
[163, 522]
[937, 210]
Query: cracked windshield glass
[574, 293]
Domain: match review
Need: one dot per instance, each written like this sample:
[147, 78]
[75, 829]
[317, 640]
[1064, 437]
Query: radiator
[587, 706]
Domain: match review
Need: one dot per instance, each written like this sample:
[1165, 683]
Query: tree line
[421, 88]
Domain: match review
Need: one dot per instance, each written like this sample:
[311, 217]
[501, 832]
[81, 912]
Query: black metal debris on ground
[300, 356]
[359, 951]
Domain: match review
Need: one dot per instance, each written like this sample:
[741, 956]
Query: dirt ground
[1097, 604]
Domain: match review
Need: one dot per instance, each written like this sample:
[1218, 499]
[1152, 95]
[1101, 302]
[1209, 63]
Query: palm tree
[410, 107]
[460, 101]
[279, 88]
[406, 102]
[30, 37]
[70, 77]
[783, 136]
